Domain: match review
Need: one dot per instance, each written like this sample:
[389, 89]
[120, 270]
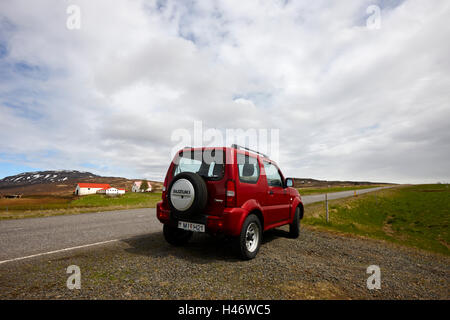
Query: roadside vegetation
[308, 191]
[48, 205]
[416, 216]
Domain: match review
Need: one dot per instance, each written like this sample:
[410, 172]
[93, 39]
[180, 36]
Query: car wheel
[250, 238]
[294, 227]
[176, 236]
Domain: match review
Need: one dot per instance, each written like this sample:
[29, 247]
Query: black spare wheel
[187, 194]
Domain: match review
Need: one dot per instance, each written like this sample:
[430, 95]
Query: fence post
[326, 204]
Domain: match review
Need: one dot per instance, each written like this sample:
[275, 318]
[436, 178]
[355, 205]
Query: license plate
[191, 226]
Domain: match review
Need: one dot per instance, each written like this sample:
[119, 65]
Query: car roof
[243, 151]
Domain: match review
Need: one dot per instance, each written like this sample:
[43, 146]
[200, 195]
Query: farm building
[111, 191]
[89, 188]
[137, 187]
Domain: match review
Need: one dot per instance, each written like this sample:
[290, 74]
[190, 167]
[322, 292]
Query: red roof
[94, 185]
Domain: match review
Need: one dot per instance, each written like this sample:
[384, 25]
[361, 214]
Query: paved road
[26, 237]
[337, 195]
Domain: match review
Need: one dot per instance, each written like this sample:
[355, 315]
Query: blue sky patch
[3, 49]
[261, 99]
[13, 164]
[30, 71]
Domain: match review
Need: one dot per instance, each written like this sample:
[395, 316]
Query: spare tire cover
[188, 194]
[182, 195]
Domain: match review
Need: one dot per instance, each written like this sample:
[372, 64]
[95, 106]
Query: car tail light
[231, 193]
[164, 190]
[162, 214]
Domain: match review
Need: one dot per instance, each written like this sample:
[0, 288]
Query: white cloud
[350, 103]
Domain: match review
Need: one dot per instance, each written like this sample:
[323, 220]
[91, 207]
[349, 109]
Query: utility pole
[326, 204]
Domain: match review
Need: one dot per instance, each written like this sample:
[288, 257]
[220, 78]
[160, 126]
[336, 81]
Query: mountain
[307, 183]
[38, 177]
[60, 182]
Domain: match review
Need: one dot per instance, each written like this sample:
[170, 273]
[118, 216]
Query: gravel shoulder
[317, 265]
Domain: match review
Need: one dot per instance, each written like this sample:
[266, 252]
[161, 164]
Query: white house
[111, 191]
[137, 187]
[89, 188]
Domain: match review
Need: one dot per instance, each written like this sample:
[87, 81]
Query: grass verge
[416, 216]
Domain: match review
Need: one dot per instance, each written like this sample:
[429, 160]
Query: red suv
[233, 191]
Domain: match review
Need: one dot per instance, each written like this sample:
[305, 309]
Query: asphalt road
[337, 195]
[23, 238]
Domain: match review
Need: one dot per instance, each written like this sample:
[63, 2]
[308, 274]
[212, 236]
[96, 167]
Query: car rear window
[207, 163]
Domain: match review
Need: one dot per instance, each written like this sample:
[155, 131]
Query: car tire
[200, 195]
[249, 240]
[176, 236]
[294, 227]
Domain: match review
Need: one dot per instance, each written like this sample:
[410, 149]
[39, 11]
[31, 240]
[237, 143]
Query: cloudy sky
[354, 95]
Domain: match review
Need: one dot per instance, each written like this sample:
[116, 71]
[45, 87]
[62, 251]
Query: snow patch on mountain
[45, 177]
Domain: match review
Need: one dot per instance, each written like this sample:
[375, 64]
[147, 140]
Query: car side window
[272, 174]
[248, 168]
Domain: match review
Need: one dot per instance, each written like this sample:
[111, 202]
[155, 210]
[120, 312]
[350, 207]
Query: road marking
[60, 250]
[14, 229]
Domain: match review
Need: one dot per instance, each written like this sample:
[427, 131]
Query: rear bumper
[229, 223]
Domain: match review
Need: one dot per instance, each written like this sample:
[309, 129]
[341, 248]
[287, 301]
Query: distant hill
[312, 183]
[63, 182]
[60, 182]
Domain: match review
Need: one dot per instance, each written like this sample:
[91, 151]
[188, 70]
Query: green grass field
[128, 199]
[308, 191]
[38, 206]
[415, 216]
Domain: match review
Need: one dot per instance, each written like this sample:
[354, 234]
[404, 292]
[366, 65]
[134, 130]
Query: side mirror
[289, 182]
